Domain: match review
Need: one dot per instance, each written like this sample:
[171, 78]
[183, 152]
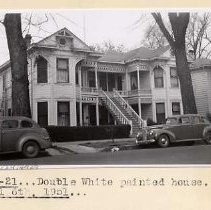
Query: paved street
[197, 154]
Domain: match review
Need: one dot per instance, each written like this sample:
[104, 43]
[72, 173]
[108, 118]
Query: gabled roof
[4, 66]
[141, 53]
[57, 33]
[200, 62]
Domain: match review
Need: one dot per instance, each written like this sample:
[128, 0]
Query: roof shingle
[139, 53]
[200, 62]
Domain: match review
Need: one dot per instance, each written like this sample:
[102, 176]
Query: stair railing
[115, 110]
[128, 108]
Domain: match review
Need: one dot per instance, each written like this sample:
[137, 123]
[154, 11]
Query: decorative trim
[88, 99]
[111, 68]
[88, 63]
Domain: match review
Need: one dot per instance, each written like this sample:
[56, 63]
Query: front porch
[89, 114]
[91, 76]
[91, 111]
[96, 81]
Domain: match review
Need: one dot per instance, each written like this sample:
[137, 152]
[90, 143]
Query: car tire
[208, 138]
[30, 149]
[163, 141]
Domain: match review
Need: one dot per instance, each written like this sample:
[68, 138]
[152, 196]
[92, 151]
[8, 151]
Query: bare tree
[108, 46]
[196, 38]
[179, 23]
[198, 41]
[18, 59]
[18, 56]
[153, 37]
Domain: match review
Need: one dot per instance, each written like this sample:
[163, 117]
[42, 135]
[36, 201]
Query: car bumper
[146, 141]
[46, 144]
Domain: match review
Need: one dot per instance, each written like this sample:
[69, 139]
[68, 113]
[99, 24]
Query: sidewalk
[76, 147]
[94, 146]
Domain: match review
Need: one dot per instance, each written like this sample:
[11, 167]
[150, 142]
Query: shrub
[78, 133]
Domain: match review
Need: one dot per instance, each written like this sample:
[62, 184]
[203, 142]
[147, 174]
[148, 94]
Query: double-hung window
[62, 70]
[63, 113]
[175, 108]
[158, 78]
[42, 70]
[174, 78]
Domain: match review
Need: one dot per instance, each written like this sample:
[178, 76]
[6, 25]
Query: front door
[111, 82]
[119, 82]
[103, 81]
[160, 113]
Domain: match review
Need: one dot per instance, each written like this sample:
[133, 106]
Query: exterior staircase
[122, 111]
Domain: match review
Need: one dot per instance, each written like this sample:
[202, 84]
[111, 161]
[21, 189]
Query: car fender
[206, 130]
[23, 139]
[171, 135]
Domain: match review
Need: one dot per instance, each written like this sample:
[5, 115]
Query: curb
[63, 149]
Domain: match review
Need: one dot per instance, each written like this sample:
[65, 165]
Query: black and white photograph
[105, 87]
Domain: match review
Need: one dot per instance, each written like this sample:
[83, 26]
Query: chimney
[190, 55]
[28, 38]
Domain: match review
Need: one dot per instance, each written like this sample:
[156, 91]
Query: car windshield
[171, 121]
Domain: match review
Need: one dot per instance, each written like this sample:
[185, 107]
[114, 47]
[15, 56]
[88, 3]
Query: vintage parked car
[21, 134]
[180, 128]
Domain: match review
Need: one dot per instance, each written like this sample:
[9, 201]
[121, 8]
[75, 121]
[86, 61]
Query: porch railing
[115, 110]
[89, 89]
[142, 92]
[123, 93]
[128, 108]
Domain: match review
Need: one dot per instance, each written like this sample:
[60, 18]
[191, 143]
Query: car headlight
[151, 132]
[139, 134]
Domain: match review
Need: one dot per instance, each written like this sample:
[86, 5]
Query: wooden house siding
[200, 86]
[209, 89]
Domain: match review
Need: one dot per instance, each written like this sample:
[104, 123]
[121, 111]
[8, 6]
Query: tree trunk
[179, 23]
[18, 59]
[184, 75]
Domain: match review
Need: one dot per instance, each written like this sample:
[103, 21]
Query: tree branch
[159, 21]
[179, 23]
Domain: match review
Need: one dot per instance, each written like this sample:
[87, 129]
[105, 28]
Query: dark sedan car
[21, 134]
[180, 128]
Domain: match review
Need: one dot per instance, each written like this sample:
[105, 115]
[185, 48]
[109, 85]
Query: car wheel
[163, 141]
[208, 138]
[30, 149]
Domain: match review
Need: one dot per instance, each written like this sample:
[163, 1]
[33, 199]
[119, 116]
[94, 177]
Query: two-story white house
[71, 84]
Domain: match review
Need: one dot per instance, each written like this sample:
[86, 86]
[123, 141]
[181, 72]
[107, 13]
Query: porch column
[97, 112]
[81, 111]
[107, 81]
[96, 79]
[127, 82]
[139, 99]
[138, 78]
[80, 102]
[139, 106]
